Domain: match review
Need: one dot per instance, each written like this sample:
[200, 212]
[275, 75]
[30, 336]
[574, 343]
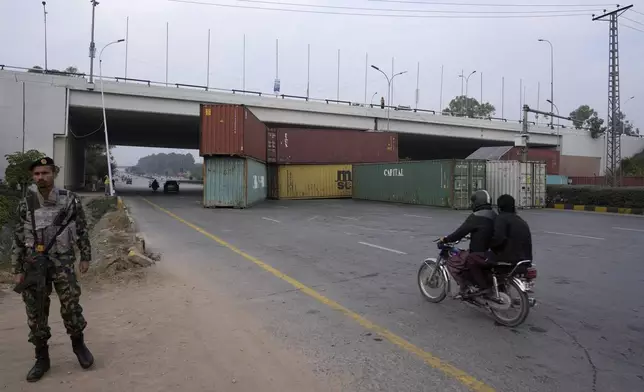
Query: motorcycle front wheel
[519, 307]
[431, 281]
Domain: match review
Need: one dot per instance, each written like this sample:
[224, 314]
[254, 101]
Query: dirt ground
[158, 333]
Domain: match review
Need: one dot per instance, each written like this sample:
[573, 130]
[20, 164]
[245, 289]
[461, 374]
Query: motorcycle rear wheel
[524, 308]
[437, 282]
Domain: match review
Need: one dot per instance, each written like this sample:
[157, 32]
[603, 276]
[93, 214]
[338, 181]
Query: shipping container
[556, 180]
[233, 182]
[232, 130]
[328, 146]
[508, 153]
[525, 181]
[310, 181]
[441, 183]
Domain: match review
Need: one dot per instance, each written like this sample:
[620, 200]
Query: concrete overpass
[60, 114]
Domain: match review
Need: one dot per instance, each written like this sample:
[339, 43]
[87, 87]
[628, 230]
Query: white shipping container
[525, 181]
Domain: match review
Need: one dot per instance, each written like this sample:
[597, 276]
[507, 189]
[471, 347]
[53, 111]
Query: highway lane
[585, 335]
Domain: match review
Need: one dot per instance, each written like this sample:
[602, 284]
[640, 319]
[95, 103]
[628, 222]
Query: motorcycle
[433, 274]
[154, 186]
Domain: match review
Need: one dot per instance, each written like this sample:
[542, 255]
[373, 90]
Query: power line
[637, 12]
[381, 15]
[416, 10]
[634, 21]
[491, 5]
[632, 28]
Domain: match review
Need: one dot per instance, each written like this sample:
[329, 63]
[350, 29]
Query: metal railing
[150, 83]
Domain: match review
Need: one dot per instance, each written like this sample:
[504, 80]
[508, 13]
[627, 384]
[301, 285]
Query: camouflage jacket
[49, 216]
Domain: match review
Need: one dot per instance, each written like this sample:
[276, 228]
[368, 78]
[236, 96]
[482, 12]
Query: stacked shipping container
[316, 163]
[441, 183]
[233, 144]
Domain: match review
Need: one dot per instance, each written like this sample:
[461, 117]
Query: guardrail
[149, 83]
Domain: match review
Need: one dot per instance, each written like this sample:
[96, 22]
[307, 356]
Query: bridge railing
[149, 83]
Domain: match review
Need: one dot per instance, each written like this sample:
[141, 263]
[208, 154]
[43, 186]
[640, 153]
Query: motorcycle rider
[154, 185]
[512, 240]
[480, 226]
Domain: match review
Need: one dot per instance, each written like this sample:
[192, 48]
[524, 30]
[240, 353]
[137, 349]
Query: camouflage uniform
[62, 255]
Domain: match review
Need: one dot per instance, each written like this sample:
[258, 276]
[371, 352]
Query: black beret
[46, 161]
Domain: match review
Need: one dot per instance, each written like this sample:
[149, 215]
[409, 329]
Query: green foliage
[581, 115]
[8, 209]
[17, 172]
[101, 206]
[167, 164]
[596, 196]
[470, 107]
[634, 166]
[96, 161]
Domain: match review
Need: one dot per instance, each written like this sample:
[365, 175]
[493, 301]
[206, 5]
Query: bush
[596, 196]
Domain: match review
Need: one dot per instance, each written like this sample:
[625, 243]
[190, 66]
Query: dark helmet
[506, 203]
[480, 199]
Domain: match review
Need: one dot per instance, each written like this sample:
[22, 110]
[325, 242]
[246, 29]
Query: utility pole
[44, 9]
[525, 135]
[613, 133]
[92, 44]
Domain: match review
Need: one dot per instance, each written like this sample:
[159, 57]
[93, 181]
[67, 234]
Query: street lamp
[107, 143]
[388, 88]
[552, 80]
[467, 81]
[621, 120]
[373, 96]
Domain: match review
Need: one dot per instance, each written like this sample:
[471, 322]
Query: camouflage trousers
[63, 279]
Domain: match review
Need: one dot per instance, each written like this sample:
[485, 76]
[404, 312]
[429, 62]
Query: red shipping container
[550, 157]
[630, 181]
[232, 130]
[329, 146]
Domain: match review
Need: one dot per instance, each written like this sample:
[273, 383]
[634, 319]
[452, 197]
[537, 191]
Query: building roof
[490, 153]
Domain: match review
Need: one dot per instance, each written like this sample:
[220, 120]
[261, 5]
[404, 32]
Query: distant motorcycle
[154, 186]
[511, 284]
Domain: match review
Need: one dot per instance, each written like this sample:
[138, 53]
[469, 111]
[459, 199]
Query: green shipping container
[233, 182]
[440, 183]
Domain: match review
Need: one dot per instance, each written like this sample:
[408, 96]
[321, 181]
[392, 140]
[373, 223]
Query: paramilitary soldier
[51, 222]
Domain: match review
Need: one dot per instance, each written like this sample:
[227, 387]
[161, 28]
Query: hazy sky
[494, 47]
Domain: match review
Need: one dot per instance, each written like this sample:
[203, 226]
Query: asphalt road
[586, 334]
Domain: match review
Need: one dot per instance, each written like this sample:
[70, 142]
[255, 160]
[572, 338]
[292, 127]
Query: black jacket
[480, 226]
[512, 241]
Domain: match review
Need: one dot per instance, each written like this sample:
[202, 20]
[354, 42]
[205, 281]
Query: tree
[595, 126]
[625, 126]
[166, 164]
[96, 161]
[17, 172]
[581, 115]
[470, 107]
[35, 69]
[71, 69]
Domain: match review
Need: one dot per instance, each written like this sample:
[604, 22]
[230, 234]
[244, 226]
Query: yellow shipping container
[314, 181]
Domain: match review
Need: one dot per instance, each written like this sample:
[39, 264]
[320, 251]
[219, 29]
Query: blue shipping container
[233, 182]
[552, 179]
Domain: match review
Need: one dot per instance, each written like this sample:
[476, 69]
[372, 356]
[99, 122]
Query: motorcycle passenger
[512, 240]
[480, 226]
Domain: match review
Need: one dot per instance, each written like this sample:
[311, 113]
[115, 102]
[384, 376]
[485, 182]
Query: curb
[139, 238]
[615, 210]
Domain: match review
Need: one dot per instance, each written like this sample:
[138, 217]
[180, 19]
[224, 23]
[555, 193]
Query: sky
[450, 36]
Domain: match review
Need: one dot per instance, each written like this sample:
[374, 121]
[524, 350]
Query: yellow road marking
[431, 360]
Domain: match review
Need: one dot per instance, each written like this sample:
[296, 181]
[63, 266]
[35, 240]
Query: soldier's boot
[85, 357]
[42, 364]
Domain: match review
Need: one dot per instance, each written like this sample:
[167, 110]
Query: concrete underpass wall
[34, 112]
[582, 155]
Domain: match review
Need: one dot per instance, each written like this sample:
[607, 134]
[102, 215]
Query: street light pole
[373, 96]
[388, 89]
[552, 80]
[107, 143]
[467, 81]
[44, 9]
[92, 45]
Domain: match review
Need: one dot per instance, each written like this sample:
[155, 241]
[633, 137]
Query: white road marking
[383, 248]
[372, 229]
[272, 220]
[347, 217]
[627, 229]
[311, 218]
[418, 216]
[575, 235]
